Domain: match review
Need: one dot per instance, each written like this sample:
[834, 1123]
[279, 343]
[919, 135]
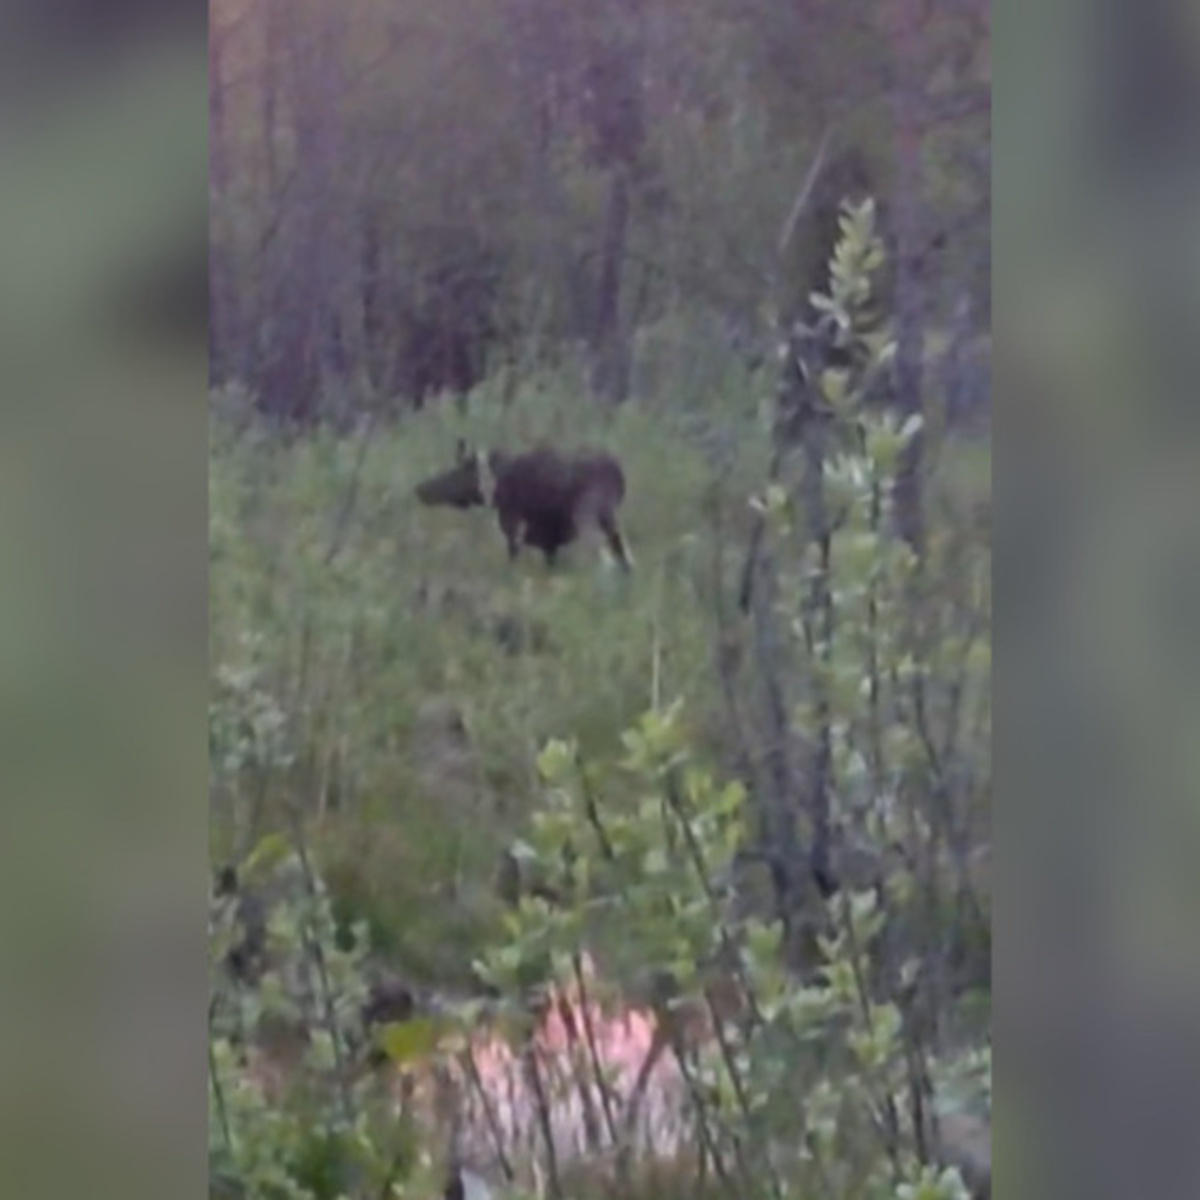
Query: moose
[543, 498]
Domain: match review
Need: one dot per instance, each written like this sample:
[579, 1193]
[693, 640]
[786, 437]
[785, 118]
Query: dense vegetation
[407, 198]
[402, 701]
[749, 783]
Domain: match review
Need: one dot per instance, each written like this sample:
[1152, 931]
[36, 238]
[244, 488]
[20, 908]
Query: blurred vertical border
[103, 597]
[1097, 124]
[103, 399]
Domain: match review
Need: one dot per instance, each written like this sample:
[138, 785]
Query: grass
[418, 672]
[414, 672]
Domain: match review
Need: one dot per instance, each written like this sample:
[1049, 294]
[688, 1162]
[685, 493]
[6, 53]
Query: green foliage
[933, 1184]
[465, 152]
[635, 845]
[288, 1116]
[409, 1042]
[392, 692]
[313, 978]
[646, 835]
[406, 685]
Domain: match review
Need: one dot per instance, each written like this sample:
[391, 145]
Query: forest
[656, 865]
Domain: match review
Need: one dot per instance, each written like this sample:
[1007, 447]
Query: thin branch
[317, 954]
[804, 194]
[589, 1032]
[542, 1110]
[754, 547]
[218, 1088]
[489, 1113]
[342, 524]
[891, 1119]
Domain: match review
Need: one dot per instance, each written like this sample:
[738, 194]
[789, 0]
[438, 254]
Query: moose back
[543, 498]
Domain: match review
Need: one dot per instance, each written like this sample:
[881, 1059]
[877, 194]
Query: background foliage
[511, 223]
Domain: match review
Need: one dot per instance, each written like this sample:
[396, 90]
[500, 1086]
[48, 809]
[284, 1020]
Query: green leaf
[557, 760]
[731, 799]
[268, 854]
[654, 862]
[523, 852]
[764, 940]
[407, 1041]
[835, 386]
[932, 1184]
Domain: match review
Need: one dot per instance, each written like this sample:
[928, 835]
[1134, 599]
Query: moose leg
[616, 543]
[511, 527]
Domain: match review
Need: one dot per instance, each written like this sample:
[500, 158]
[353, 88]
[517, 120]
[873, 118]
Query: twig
[589, 1032]
[343, 520]
[706, 1136]
[218, 1087]
[758, 531]
[489, 1113]
[804, 194]
[786, 343]
[542, 1108]
[696, 855]
[891, 1132]
[313, 947]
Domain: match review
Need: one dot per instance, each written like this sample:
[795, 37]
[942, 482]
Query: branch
[317, 954]
[343, 520]
[804, 194]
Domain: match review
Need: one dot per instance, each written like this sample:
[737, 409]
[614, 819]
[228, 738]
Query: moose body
[542, 497]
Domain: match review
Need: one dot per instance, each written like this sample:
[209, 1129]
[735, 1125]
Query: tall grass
[415, 671]
[399, 673]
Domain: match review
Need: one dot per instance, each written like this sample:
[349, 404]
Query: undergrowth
[386, 686]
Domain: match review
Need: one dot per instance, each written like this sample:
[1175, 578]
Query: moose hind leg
[616, 543]
[550, 545]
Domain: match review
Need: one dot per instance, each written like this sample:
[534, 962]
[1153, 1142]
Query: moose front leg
[512, 528]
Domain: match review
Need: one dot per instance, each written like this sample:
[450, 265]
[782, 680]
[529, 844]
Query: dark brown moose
[542, 497]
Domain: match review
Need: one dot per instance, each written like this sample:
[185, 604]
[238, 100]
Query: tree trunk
[909, 298]
[610, 347]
